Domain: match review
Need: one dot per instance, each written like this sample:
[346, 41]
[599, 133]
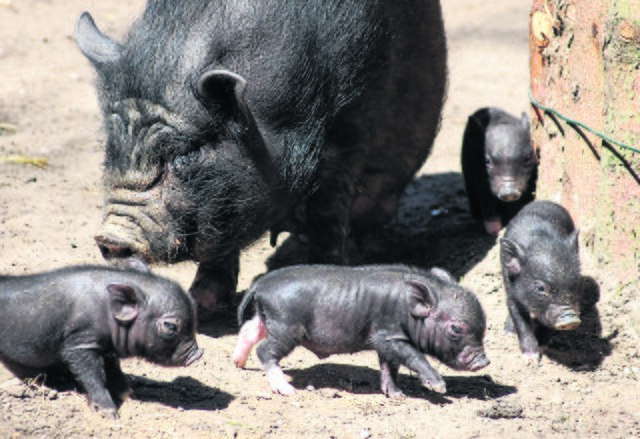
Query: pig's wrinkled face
[174, 192]
[460, 326]
[510, 160]
[165, 332]
[550, 286]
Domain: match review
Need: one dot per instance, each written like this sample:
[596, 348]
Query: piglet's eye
[168, 328]
[455, 331]
[540, 288]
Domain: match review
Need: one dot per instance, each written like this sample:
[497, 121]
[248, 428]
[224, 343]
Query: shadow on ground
[433, 227]
[583, 348]
[365, 380]
[183, 392]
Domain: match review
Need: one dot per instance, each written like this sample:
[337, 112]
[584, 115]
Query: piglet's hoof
[531, 358]
[395, 394]
[438, 387]
[105, 412]
[279, 383]
[492, 227]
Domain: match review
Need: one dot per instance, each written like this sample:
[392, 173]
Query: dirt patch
[587, 384]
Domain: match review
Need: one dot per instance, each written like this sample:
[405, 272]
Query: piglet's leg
[251, 333]
[117, 382]
[88, 367]
[404, 353]
[388, 375]
[526, 337]
[282, 339]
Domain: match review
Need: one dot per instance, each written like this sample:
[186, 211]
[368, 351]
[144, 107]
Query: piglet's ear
[421, 300]
[124, 302]
[572, 241]
[443, 275]
[512, 255]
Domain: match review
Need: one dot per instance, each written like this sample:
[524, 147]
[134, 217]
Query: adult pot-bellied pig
[541, 272]
[398, 311]
[499, 166]
[81, 320]
[225, 119]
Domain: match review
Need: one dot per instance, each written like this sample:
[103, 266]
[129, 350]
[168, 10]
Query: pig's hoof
[279, 383]
[395, 394]
[106, 412]
[239, 361]
[531, 358]
[438, 387]
[285, 389]
[492, 227]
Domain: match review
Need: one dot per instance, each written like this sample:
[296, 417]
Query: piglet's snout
[479, 362]
[474, 359]
[508, 193]
[192, 355]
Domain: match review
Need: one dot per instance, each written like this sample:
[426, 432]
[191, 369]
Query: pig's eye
[455, 331]
[182, 162]
[540, 288]
[168, 328]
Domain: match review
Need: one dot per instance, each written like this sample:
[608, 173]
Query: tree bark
[585, 60]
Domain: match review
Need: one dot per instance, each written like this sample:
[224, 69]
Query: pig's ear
[572, 241]
[524, 119]
[101, 50]
[223, 90]
[443, 275]
[512, 255]
[421, 300]
[124, 302]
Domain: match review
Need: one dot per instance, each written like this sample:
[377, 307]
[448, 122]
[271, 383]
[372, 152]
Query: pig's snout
[509, 193]
[195, 356]
[479, 362]
[189, 356]
[567, 321]
[113, 248]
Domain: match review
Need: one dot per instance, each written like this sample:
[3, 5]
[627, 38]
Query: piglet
[541, 272]
[398, 311]
[82, 320]
[499, 166]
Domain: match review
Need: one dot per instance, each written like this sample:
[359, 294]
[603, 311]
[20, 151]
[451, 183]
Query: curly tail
[248, 296]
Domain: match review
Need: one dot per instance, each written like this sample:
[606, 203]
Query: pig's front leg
[214, 283]
[526, 337]
[388, 375]
[88, 368]
[401, 352]
[329, 207]
[117, 382]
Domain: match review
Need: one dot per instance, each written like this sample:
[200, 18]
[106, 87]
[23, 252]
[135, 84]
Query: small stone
[502, 410]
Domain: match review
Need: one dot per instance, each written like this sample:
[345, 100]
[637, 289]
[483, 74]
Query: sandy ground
[587, 385]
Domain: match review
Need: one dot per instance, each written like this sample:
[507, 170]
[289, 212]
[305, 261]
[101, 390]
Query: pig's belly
[327, 348]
